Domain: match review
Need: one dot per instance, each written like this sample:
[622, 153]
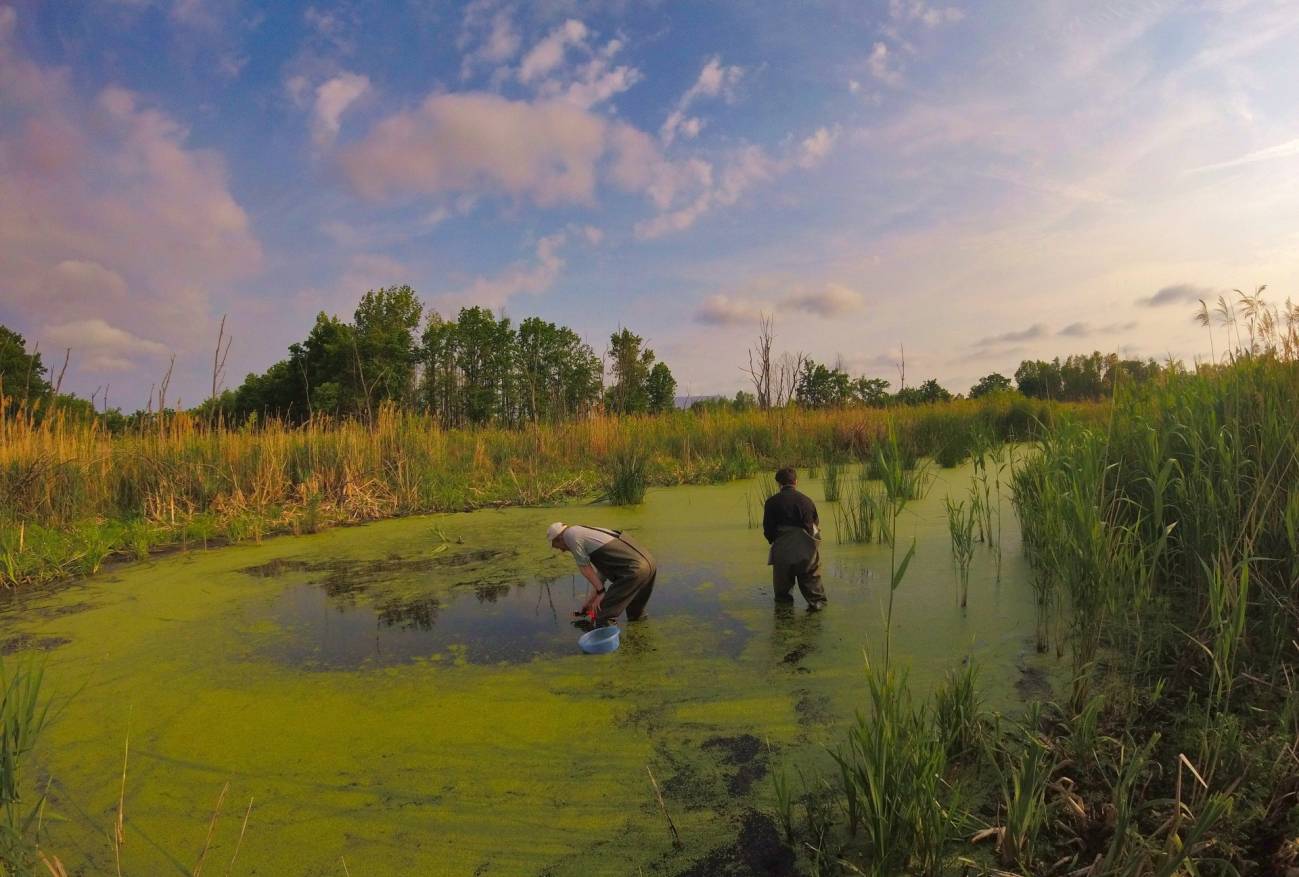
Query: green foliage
[22, 717]
[22, 374]
[1090, 376]
[661, 389]
[821, 387]
[989, 384]
[830, 484]
[891, 773]
[626, 477]
[960, 525]
[631, 363]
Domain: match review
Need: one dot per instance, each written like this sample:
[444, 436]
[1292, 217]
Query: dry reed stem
[242, 831]
[211, 829]
[52, 864]
[119, 825]
[676, 837]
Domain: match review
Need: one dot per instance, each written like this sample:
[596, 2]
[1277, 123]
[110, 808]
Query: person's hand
[594, 605]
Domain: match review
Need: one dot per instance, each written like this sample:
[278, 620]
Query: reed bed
[1164, 540]
[73, 496]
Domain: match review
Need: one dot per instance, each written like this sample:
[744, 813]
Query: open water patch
[470, 606]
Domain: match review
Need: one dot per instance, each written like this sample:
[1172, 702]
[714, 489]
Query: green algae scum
[408, 697]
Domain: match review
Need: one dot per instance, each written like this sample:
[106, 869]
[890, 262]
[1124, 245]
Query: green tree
[871, 391]
[22, 374]
[484, 356]
[386, 350]
[821, 387]
[990, 384]
[1039, 379]
[559, 374]
[661, 388]
[631, 363]
[931, 391]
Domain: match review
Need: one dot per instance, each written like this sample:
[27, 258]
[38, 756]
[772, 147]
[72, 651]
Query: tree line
[481, 368]
[477, 368]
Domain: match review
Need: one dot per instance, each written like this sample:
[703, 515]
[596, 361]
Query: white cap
[553, 531]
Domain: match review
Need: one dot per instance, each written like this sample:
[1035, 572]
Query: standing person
[608, 556]
[793, 529]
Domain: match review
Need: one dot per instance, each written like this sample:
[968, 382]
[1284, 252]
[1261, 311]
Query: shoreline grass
[72, 497]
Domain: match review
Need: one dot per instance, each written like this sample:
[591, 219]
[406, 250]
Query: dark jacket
[789, 508]
[792, 527]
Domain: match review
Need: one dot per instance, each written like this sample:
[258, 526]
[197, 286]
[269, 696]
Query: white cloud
[546, 151]
[107, 214]
[741, 170]
[533, 277]
[100, 346]
[594, 82]
[831, 300]
[494, 32]
[1288, 149]
[924, 13]
[722, 310]
[548, 54]
[881, 65]
[333, 98]
[814, 149]
[714, 79]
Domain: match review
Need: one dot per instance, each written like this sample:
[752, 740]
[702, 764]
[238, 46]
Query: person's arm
[593, 601]
[769, 521]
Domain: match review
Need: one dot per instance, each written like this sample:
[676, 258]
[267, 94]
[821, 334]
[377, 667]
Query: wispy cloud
[1288, 149]
[1032, 333]
[831, 300]
[716, 79]
[1087, 330]
[333, 98]
[826, 301]
[883, 66]
[722, 310]
[1177, 294]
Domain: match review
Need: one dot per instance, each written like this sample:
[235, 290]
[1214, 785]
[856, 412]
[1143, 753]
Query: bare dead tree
[306, 387]
[219, 358]
[360, 374]
[786, 377]
[902, 368]
[58, 384]
[162, 388]
[760, 365]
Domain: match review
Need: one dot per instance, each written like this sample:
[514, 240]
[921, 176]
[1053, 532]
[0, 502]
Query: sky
[972, 184]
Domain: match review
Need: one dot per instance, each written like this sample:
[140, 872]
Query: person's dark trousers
[806, 574]
[629, 594]
[630, 571]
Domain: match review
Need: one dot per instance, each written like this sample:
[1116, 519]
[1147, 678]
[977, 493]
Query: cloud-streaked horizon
[902, 174]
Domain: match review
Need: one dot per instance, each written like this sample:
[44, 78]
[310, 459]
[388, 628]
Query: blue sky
[979, 183]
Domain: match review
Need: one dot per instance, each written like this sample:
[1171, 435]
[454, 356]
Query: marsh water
[408, 697]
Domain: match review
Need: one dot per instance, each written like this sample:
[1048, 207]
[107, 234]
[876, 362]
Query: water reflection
[470, 607]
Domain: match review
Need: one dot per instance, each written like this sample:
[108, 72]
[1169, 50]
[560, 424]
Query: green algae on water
[409, 694]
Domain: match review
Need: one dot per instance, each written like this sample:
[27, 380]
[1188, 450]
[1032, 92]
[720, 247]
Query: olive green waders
[630, 571]
[795, 558]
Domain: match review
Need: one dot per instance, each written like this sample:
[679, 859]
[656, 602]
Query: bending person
[608, 556]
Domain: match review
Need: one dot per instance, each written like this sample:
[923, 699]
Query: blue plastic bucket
[599, 641]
